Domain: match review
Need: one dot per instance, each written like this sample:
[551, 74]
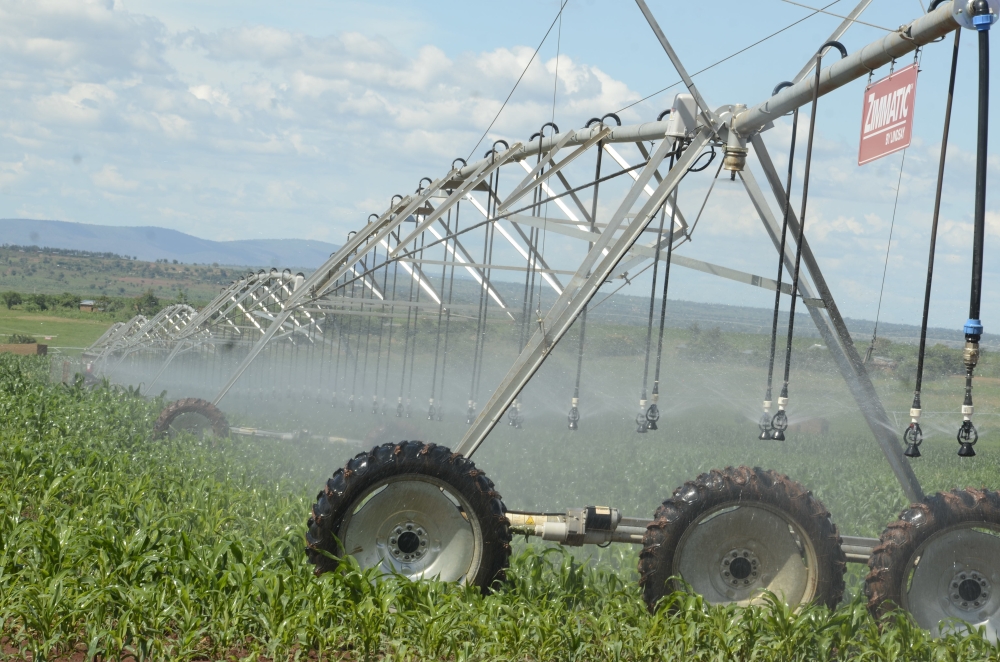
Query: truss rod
[591, 274]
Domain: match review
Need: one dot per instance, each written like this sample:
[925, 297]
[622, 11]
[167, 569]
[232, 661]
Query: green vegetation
[113, 547]
[90, 275]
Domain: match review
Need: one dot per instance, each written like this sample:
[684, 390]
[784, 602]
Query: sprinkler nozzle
[967, 437]
[574, 418]
[399, 408]
[350, 403]
[374, 405]
[652, 416]
[333, 401]
[765, 419]
[779, 423]
[914, 436]
[430, 412]
[765, 426]
[409, 410]
[470, 415]
[641, 426]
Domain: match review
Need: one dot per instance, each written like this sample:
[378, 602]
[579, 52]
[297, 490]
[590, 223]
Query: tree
[147, 303]
[10, 299]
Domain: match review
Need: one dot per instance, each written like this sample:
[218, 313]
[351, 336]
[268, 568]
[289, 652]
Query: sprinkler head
[779, 423]
[350, 403]
[641, 424]
[470, 415]
[333, 402]
[914, 436]
[765, 426]
[439, 414]
[652, 416]
[573, 418]
[399, 410]
[967, 437]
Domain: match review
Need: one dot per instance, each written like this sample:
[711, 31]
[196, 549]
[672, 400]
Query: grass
[113, 547]
[69, 332]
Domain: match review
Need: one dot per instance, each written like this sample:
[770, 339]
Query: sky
[233, 119]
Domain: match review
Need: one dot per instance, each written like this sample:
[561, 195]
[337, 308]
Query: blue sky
[247, 119]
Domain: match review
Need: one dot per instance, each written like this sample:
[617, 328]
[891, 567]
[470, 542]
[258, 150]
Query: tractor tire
[732, 533]
[941, 560]
[414, 509]
[214, 416]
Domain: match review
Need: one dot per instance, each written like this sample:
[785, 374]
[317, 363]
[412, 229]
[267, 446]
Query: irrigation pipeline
[766, 431]
[913, 435]
[967, 435]
[779, 423]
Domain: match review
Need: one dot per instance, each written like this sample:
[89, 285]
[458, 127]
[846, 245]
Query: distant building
[88, 306]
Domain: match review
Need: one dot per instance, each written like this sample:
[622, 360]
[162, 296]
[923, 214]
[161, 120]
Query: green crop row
[114, 547]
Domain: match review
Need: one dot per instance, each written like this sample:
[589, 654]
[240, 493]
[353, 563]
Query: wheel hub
[407, 541]
[740, 568]
[969, 590]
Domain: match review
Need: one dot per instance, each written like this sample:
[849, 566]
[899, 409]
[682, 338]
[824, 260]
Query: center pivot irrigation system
[388, 302]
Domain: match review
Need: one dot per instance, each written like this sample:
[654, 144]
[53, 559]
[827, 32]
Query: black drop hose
[914, 435]
[780, 420]
[981, 155]
[967, 436]
[765, 421]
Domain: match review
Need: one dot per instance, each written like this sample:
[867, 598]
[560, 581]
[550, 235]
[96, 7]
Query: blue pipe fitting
[983, 22]
[973, 328]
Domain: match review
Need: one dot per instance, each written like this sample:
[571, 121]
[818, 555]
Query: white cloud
[110, 179]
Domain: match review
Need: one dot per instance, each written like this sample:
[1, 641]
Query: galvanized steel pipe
[922, 31]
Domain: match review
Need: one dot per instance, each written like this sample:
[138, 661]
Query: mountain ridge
[151, 243]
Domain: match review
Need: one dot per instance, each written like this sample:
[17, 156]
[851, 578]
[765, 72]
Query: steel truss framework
[600, 224]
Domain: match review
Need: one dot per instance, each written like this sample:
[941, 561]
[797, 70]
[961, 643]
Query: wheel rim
[954, 576]
[190, 422]
[416, 526]
[734, 553]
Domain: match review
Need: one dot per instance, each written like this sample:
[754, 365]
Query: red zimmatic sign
[887, 120]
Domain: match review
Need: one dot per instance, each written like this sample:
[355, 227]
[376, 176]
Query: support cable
[533, 56]
[885, 266]
[913, 435]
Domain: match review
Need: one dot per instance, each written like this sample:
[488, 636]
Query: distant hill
[151, 243]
